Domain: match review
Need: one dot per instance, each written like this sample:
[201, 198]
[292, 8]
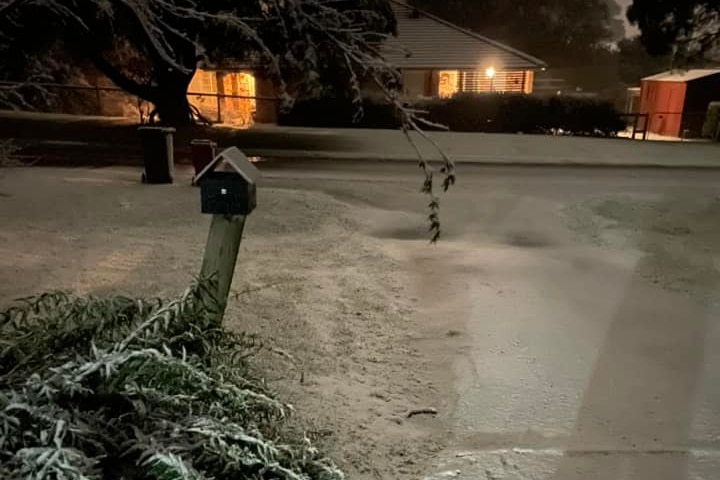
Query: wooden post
[219, 91]
[220, 256]
[98, 100]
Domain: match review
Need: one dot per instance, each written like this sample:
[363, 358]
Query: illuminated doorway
[225, 97]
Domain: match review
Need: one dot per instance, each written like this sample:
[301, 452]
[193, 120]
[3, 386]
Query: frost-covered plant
[119, 388]
[8, 148]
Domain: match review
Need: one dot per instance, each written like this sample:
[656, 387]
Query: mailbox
[231, 191]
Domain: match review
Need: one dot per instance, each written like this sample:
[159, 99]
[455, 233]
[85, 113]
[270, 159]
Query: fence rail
[114, 102]
[639, 124]
[681, 125]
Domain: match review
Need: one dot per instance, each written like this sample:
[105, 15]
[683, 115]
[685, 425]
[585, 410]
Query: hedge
[470, 112]
[329, 112]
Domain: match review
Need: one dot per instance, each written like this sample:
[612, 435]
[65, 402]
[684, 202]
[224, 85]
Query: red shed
[676, 101]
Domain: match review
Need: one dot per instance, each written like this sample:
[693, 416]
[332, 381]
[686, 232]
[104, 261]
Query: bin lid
[202, 141]
[163, 129]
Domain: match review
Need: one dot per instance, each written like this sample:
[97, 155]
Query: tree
[560, 32]
[151, 48]
[634, 62]
[688, 29]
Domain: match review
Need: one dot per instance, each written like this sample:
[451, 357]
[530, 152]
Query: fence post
[98, 99]
[219, 91]
[140, 110]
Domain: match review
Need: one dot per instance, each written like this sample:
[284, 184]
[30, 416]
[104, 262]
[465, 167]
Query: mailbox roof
[239, 162]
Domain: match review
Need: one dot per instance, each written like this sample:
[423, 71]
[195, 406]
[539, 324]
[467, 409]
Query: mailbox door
[226, 193]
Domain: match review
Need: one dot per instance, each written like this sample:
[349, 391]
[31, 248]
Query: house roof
[425, 41]
[683, 75]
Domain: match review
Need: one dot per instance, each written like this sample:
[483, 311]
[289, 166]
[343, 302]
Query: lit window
[448, 83]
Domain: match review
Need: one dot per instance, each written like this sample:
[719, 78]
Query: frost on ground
[676, 235]
[331, 308]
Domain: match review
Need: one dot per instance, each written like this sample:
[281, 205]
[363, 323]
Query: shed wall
[663, 102]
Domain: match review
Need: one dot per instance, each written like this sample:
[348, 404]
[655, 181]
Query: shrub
[584, 116]
[469, 112]
[502, 113]
[121, 388]
[331, 112]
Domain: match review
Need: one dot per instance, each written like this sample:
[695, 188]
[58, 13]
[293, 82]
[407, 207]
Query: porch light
[490, 72]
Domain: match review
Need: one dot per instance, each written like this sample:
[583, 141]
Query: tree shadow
[636, 417]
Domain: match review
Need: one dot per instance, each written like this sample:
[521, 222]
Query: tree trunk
[168, 95]
[170, 98]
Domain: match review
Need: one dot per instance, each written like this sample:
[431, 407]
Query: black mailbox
[232, 191]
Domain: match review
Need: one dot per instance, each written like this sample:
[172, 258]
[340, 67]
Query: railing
[639, 124]
[238, 110]
[677, 125]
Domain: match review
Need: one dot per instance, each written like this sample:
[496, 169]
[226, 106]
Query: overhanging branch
[121, 80]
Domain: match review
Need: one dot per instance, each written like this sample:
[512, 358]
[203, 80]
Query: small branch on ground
[421, 411]
[282, 353]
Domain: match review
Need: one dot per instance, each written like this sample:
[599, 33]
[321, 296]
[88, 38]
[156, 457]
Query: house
[440, 59]
[676, 101]
[436, 59]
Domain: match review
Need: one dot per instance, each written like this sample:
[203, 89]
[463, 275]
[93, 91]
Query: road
[577, 309]
[67, 139]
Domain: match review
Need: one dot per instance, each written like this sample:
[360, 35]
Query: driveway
[577, 311]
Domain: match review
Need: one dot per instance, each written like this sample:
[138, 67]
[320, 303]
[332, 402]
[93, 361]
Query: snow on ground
[330, 306]
[578, 309]
[564, 328]
[654, 137]
[512, 149]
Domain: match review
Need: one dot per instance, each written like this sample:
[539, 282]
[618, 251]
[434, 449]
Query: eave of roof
[683, 75]
[436, 43]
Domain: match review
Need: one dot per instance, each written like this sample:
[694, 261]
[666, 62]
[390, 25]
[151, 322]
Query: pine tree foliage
[121, 388]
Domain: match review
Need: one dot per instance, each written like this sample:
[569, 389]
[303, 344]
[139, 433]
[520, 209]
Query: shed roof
[429, 42]
[683, 75]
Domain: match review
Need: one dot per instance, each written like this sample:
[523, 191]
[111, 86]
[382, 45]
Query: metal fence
[107, 101]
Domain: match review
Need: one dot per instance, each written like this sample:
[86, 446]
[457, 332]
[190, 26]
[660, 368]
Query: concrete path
[574, 368]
